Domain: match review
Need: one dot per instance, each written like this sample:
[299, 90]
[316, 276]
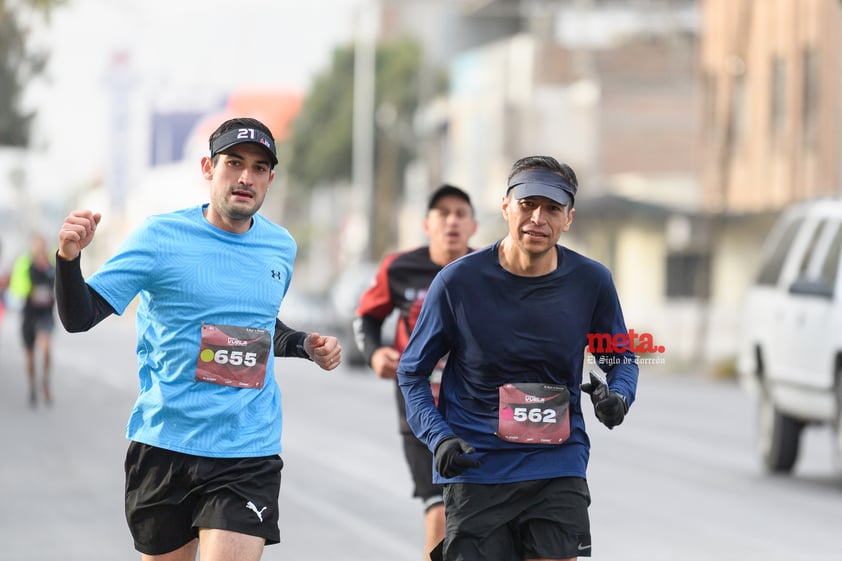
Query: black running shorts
[513, 521]
[35, 322]
[170, 496]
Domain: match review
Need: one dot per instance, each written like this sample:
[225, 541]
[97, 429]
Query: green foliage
[18, 65]
[320, 148]
[320, 145]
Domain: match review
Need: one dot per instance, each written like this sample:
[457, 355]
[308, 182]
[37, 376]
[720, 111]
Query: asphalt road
[345, 492]
[679, 480]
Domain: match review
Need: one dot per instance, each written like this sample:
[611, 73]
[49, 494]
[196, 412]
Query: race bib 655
[231, 355]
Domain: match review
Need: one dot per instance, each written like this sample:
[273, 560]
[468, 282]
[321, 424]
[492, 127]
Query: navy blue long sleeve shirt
[503, 328]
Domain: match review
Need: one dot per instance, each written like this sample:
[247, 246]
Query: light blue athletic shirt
[188, 272]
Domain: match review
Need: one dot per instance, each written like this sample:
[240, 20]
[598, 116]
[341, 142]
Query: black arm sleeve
[367, 336]
[80, 307]
[289, 342]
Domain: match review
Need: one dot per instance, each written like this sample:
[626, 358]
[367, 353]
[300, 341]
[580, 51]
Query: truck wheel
[778, 436]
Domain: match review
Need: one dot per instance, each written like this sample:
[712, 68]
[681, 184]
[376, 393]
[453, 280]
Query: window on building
[810, 98]
[739, 107]
[777, 102]
[688, 275]
[710, 105]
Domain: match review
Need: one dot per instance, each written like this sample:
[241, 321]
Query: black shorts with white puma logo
[170, 496]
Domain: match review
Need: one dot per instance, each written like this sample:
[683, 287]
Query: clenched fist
[76, 233]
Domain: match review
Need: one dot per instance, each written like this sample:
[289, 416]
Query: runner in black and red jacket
[401, 283]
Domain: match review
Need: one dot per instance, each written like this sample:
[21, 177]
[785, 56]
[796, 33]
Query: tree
[18, 65]
[319, 150]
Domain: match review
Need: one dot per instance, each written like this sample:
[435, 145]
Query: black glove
[597, 392]
[451, 459]
[612, 410]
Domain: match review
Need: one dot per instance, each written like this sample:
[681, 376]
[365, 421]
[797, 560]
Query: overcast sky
[178, 49]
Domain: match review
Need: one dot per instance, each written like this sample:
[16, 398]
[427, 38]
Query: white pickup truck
[790, 353]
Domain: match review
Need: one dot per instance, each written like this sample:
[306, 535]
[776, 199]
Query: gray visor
[542, 183]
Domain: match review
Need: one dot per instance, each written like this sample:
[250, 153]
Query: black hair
[448, 190]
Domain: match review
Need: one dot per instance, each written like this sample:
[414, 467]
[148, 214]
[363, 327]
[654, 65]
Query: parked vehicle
[345, 297]
[791, 340]
[308, 312]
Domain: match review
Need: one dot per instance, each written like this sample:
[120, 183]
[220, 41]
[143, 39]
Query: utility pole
[363, 125]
